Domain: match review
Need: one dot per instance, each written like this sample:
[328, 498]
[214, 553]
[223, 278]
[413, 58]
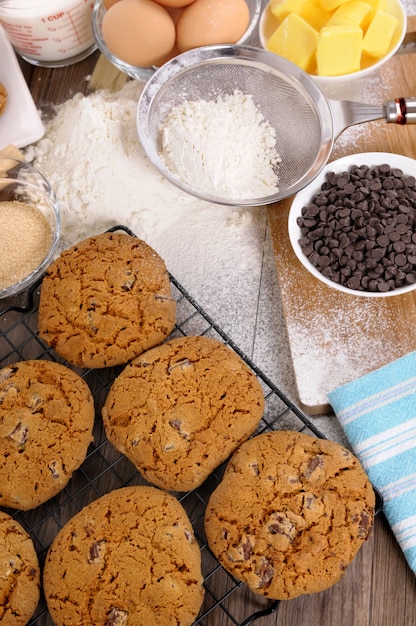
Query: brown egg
[167, 57]
[109, 3]
[138, 32]
[207, 22]
[174, 3]
[175, 13]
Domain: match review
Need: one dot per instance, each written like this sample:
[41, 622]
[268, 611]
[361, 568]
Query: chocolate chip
[96, 551]
[364, 524]
[317, 462]
[247, 550]
[117, 617]
[242, 550]
[20, 434]
[53, 468]
[7, 372]
[265, 572]
[180, 364]
[362, 238]
[279, 523]
[255, 468]
[128, 285]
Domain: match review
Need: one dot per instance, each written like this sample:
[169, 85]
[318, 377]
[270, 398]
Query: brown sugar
[25, 241]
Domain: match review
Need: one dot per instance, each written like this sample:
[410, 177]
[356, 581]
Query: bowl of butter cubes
[334, 40]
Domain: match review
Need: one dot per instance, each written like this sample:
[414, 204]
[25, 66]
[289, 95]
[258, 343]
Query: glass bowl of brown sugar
[354, 227]
[30, 225]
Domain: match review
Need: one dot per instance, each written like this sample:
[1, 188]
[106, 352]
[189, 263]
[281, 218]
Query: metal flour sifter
[306, 122]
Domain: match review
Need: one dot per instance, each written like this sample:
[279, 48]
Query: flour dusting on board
[347, 338]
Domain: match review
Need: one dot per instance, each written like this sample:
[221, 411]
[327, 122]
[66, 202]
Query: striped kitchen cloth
[378, 414]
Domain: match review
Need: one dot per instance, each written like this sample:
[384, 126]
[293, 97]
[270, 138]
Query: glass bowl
[144, 73]
[305, 197]
[31, 223]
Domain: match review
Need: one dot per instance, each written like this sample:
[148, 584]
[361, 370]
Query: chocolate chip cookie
[179, 410]
[46, 420]
[19, 573]
[128, 558]
[290, 514]
[106, 300]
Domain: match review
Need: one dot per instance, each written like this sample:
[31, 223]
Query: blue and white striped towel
[378, 414]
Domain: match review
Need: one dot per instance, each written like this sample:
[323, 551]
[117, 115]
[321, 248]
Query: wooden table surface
[378, 588]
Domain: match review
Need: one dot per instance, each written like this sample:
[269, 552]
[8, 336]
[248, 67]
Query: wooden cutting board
[333, 337]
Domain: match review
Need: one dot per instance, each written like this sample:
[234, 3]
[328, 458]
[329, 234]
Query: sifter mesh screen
[295, 108]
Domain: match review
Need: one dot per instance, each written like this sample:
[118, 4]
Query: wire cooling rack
[227, 601]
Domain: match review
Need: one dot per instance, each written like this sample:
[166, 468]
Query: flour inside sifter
[223, 146]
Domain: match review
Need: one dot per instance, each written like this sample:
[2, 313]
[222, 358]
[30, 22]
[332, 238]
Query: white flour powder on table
[93, 159]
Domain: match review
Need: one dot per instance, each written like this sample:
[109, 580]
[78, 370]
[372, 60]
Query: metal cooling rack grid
[227, 601]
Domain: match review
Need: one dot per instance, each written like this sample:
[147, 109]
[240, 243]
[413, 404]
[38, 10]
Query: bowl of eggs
[138, 37]
[334, 40]
[354, 227]
[30, 225]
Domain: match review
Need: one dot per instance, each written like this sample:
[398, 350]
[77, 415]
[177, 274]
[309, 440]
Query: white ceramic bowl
[21, 182]
[268, 23]
[144, 73]
[304, 197]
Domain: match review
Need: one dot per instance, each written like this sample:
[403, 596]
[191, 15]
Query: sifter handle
[401, 111]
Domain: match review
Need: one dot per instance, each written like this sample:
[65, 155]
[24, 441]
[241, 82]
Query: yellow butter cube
[314, 14]
[296, 41]
[282, 8]
[377, 39]
[352, 12]
[378, 5]
[339, 50]
[331, 5]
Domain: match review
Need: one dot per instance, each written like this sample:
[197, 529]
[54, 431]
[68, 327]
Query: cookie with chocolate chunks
[106, 300]
[128, 558]
[179, 410]
[46, 420]
[19, 573]
[290, 514]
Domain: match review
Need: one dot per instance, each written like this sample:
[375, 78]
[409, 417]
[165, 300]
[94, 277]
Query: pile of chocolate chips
[360, 229]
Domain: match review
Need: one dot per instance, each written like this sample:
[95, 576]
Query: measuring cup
[51, 33]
